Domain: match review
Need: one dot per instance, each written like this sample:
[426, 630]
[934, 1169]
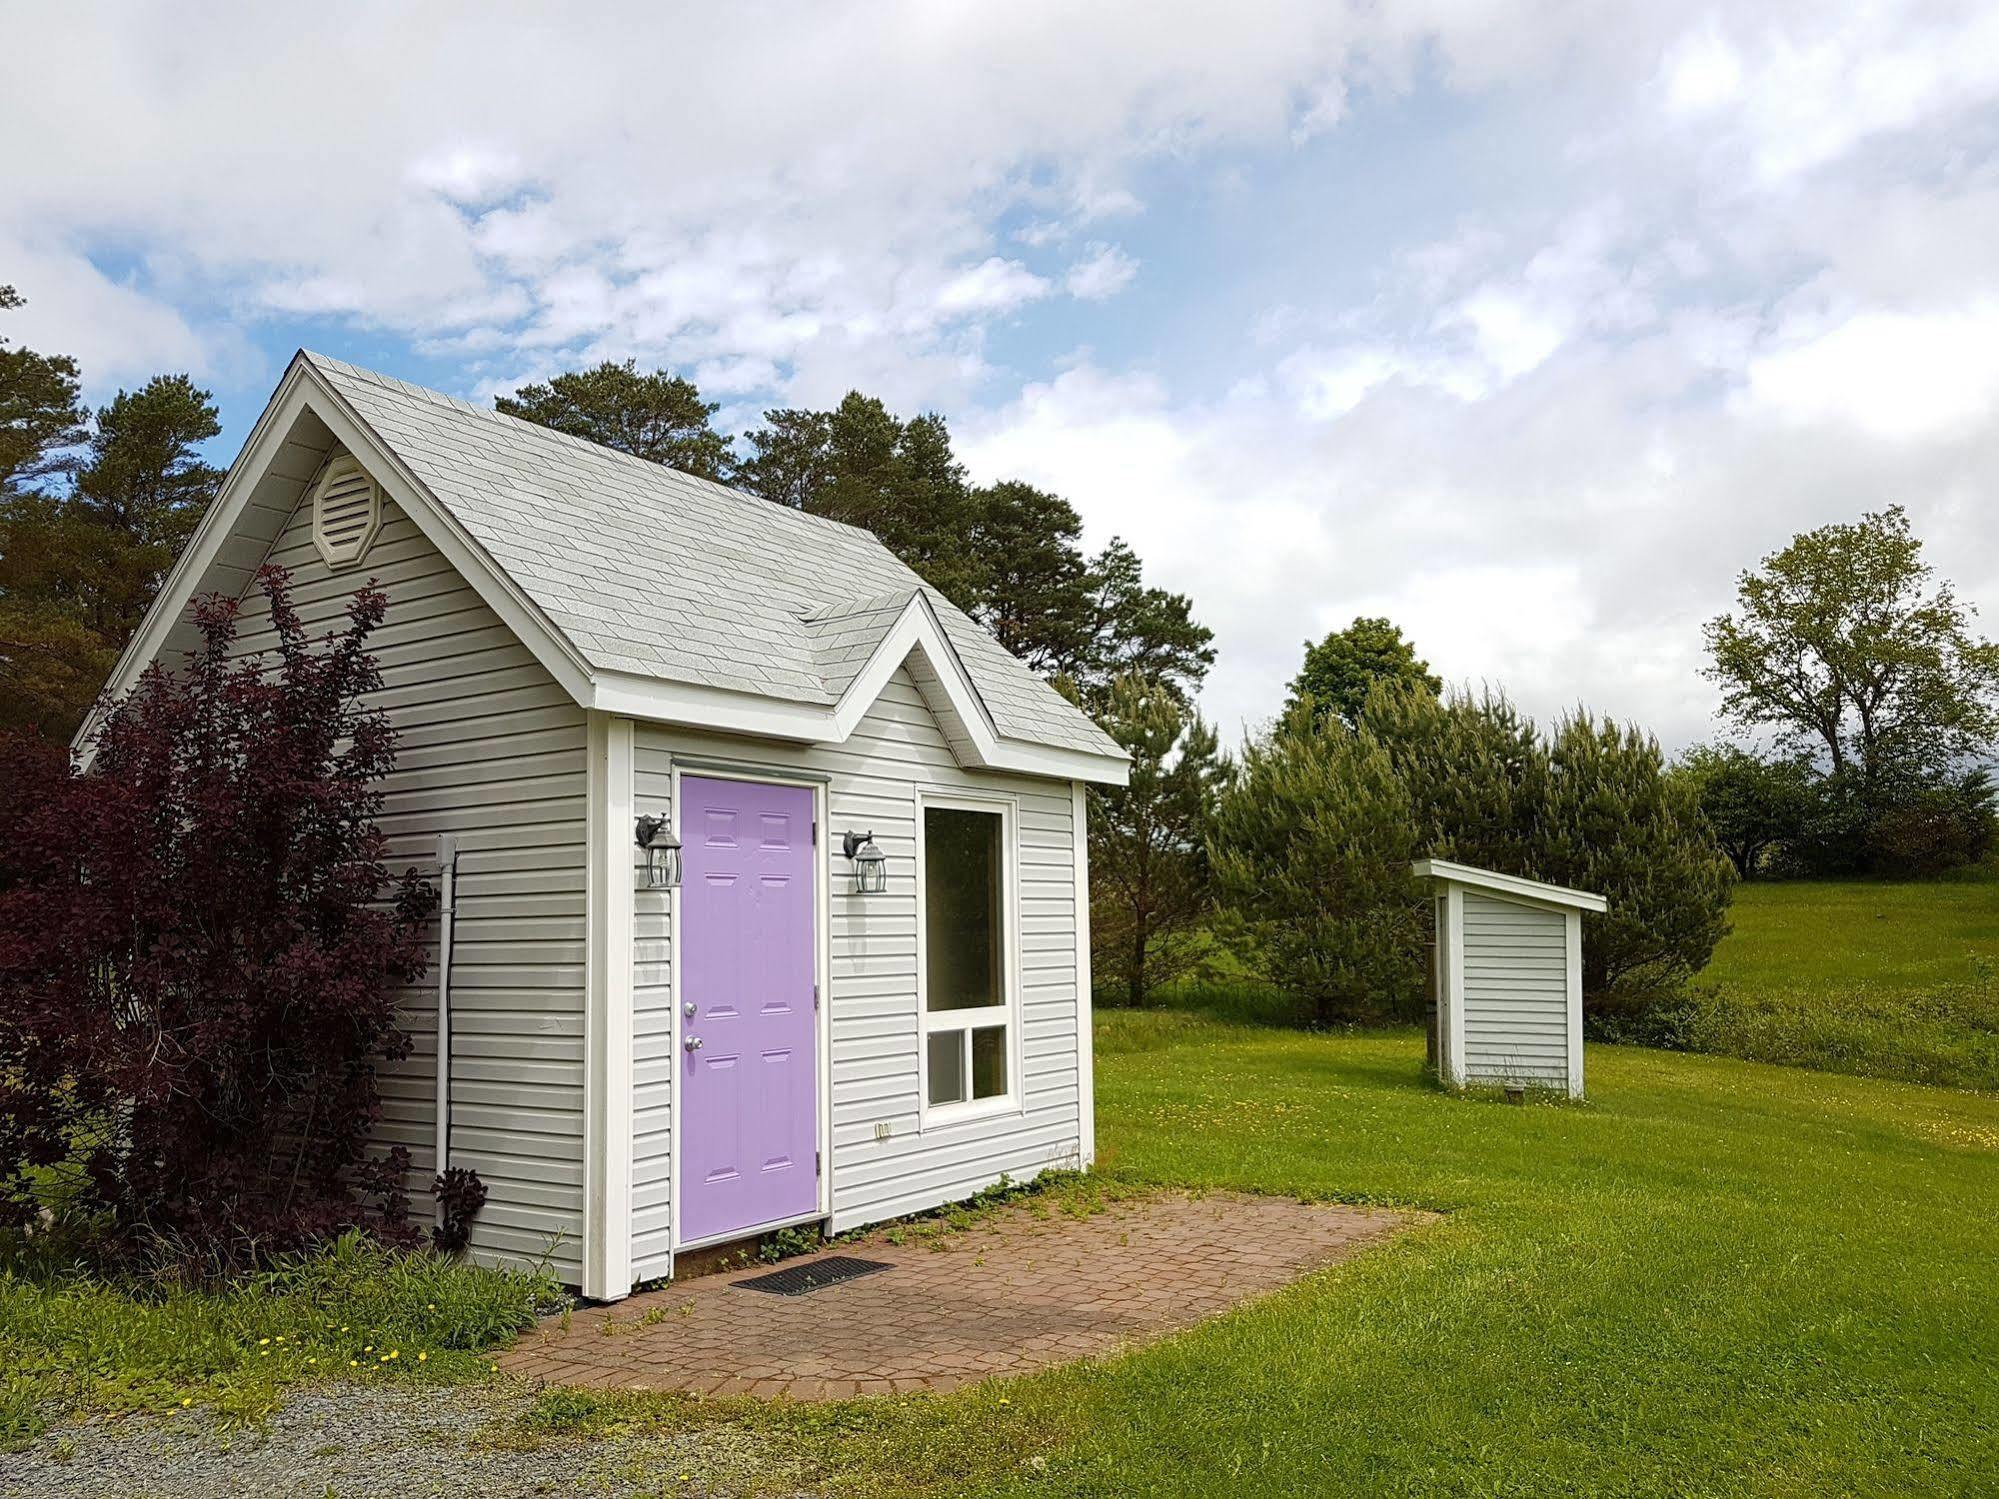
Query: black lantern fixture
[662, 853]
[870, 863]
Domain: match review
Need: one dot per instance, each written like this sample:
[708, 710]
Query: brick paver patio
[1013, 1293]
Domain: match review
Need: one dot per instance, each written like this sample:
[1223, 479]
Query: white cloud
[1526, 325]
[1104, 271]
[1902, 376]
[993, 285]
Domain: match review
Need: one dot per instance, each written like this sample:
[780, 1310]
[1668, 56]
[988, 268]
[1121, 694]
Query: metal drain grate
[800, 1280]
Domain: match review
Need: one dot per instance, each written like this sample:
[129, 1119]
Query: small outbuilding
[1508, 978]
[766, 899]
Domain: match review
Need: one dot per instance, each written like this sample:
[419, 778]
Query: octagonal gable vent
[346, 512]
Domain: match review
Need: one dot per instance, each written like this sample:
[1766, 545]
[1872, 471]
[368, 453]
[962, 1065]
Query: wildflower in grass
[189, 1400]
[353, 1363]
[423, 1358]
[263, 1342]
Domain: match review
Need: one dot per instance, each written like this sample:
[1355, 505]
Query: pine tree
[1615, 823]
[658, 417]
[1312, 846]
[1149, 880]
[41, 411]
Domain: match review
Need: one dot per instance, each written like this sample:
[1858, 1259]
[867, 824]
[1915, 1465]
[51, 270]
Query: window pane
[961, 909]
[989, 1061]
[947, 1067]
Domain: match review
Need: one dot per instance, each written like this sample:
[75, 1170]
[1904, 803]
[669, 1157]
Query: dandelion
[312, 1361]
[383, 1359]
[353, 1363]
[423, 1358]
[263, 1342]
[187, 1402]
[430, 1306]
[263, 1353]
[1004, 1401]
[495, 1368]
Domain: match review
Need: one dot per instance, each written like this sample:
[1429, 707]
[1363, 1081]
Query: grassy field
[1715, 1278]
[1879, 979]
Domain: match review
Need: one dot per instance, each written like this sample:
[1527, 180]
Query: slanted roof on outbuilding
[1508, 884]
[646, 591]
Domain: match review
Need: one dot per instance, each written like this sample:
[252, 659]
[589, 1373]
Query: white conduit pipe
[447, 910]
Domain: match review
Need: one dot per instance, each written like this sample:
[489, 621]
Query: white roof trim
[697, 705]
[1508, 884]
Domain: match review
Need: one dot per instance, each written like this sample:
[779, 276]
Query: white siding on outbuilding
[1516, 992]
[490, 748]
[1508, 978]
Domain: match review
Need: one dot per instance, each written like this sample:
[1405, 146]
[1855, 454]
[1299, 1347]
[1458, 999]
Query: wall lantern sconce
[870, 863]
[662, 853]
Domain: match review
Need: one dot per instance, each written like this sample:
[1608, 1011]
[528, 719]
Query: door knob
[692, 1043]
[688, 1009]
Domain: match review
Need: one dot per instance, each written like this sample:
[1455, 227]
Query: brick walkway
[1015, 1293]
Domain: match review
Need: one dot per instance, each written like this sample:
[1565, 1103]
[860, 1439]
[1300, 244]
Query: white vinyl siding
[874, 779]
[1516, 1006]
[490, 749]
[652, 1036]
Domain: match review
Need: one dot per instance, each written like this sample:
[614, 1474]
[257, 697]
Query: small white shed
[1508, 977]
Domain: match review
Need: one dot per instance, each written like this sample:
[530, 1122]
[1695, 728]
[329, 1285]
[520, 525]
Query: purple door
[749, 1084]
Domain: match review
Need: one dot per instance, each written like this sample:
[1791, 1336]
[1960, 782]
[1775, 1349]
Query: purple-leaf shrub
[201, 948]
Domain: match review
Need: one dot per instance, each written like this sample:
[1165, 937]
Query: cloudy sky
[1526, 325]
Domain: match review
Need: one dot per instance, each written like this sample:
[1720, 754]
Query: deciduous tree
[1753, 803]
[1847, 645]
[1341, 669]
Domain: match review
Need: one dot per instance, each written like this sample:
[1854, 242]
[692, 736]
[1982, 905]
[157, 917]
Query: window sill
[945, 1115]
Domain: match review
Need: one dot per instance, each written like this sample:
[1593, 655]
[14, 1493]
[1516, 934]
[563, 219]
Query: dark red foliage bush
[201, 949]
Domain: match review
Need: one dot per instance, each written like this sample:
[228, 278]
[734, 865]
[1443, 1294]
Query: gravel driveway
[360, 1443]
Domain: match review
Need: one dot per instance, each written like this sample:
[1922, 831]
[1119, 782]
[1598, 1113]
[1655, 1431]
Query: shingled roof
[650, 575]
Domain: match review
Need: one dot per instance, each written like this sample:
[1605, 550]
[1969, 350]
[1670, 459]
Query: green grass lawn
[1714, 1278]
[1880, 979]
[357, 1312]
[1860, 934]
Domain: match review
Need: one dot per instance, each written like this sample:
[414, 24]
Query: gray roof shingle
[648, 570]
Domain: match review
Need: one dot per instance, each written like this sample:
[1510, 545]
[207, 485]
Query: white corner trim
[1086, 1060]
[1574, 924]
[607, 1024]
[1508, 884]
[1453, 938]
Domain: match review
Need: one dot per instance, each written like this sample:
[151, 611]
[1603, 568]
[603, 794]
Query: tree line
[1288, 855]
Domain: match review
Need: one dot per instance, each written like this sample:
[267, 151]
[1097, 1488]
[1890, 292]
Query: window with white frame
[967, 1011]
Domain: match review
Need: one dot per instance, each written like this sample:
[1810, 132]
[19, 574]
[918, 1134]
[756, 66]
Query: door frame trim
[822, 1031]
